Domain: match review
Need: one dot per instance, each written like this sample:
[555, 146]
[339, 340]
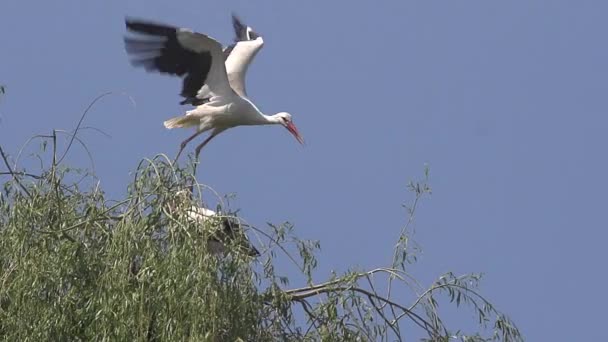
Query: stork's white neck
[253, 116]
[263, 119]
[273, 119]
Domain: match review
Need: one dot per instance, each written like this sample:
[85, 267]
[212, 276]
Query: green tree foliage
[75, 265]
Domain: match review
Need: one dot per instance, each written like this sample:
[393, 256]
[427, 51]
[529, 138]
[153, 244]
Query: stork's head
[284, 119]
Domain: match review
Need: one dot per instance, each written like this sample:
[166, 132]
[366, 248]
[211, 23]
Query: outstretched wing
[194, 56]
[248, 45]
[238, 56]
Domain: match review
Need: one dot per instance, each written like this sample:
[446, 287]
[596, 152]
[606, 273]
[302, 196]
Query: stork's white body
[225, 230]
[220, 114]
[221, 230]
[213, 81]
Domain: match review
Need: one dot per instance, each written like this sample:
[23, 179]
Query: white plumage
[223, 230]
[214, 78]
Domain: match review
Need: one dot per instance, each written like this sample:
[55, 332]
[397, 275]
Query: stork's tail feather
[181, 121]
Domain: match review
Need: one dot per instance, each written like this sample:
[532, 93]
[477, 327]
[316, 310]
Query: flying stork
[214, 78]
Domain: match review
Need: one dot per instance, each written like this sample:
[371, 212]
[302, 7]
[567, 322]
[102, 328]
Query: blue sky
[506, 101]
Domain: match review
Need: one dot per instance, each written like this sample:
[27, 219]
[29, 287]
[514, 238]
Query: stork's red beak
[294, 131]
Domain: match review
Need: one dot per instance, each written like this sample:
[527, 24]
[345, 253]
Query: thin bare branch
[415, 317]
[10, 170]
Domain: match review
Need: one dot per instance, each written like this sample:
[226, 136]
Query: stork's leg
[214, 133]
[198, 151]
[199, 147]
[184, 143]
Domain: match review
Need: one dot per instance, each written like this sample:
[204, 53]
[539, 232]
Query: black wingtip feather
[240, 29]
[253, 35]
[155, 47]
[231, 228]
[195, 101]
[139, 46]
[149, 27]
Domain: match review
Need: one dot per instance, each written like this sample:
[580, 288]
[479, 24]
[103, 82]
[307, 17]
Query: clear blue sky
[506, 100]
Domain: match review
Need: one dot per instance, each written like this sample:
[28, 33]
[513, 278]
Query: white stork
[229, 230]
[224, 229]
[214, 79]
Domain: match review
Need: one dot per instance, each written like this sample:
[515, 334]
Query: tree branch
[10, 170]
[421, 322]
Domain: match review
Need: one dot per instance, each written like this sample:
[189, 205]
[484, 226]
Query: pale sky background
[505, 100]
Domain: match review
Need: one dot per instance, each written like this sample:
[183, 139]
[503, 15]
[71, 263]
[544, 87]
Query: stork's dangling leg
[200, 147]
[184, 143]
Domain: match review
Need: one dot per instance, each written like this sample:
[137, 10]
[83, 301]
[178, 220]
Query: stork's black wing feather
[232, 230]
[240, 30]
[158, 49]
[240, 34]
